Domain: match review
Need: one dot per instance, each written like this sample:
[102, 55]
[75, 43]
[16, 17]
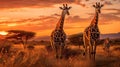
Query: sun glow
[3, 33]
[14, 24]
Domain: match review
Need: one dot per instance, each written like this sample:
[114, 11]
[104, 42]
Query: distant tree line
[21, 36]
[77, 39]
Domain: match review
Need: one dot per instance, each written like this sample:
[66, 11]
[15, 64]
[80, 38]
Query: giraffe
[106, 46]
[58, 36]
[92, 34]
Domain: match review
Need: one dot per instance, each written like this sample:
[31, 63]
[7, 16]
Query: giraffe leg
[90, 49]
[61, 50]
[85, 50]
[56, 50]
[94, 50]
[52, 44]
[108, 52]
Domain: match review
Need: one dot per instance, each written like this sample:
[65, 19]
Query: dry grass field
[39, 56]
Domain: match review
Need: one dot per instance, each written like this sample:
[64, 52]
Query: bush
[76, 39]
[30, 47]
[68, 52]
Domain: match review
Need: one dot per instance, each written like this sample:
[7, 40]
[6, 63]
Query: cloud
[44, 3]
[102, 0]
[86, 0]
[33, 3]
[108, 3]
[79, 2]
[30, 20]
[106, 18]
[49, 22]
[109, 17]
[56, 15]
[41, 22]
[5, 4]
[113, 9]
[74, 19]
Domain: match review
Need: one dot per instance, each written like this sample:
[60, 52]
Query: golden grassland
[42, 56]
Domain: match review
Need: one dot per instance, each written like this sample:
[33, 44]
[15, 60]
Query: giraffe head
[65, 9]
[98, 6]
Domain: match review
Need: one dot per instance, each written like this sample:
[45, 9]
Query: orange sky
[41, 16]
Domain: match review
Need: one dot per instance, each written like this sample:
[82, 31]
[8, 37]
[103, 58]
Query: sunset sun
[3, 33]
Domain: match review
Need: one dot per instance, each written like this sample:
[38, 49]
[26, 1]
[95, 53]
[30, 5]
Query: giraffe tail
[84, 44]
[52, 45]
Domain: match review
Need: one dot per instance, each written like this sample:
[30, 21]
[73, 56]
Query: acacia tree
[20, 35]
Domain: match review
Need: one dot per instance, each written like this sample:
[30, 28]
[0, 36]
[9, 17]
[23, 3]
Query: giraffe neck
[95, 19]
[61, 21]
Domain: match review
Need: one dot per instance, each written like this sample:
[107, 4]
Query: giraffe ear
[93, 5]
[102, 5]
[61, 8]
[69, 7]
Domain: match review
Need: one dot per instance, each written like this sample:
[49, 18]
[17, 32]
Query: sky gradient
[41, 16]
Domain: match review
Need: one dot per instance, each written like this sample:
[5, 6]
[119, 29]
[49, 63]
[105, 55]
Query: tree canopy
[76, 39]
[20, 35]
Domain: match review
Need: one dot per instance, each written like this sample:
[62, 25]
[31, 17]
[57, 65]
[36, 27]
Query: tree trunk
[24, 45]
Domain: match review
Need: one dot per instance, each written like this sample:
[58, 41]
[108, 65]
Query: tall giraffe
[58, 35]
[91, 34]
